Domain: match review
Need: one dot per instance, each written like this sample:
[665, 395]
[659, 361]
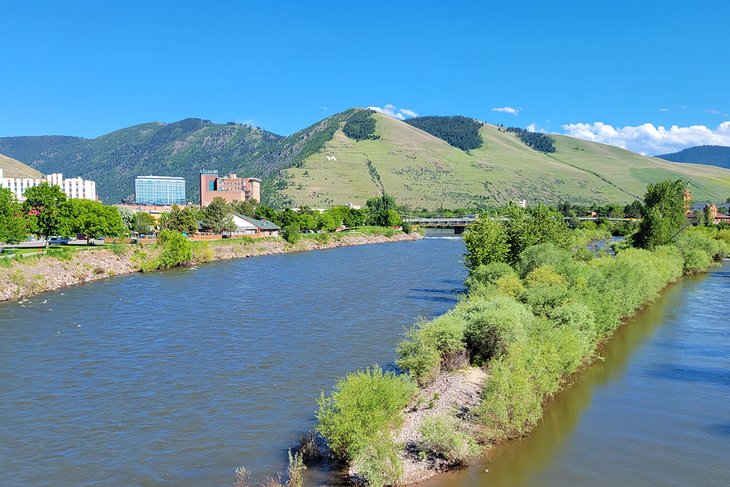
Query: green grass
[420, 170]
[13, 168]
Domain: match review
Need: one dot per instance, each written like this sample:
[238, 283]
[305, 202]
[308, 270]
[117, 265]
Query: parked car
[58, 240]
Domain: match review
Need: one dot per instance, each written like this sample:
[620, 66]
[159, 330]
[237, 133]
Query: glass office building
[159, 190]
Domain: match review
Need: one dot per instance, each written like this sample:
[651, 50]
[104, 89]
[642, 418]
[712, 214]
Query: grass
[420, 170]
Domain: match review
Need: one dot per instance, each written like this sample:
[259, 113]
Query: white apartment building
[72, 187]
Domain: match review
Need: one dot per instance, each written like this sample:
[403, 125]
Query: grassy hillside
[421, 170]
[714, 155]
[16, 169]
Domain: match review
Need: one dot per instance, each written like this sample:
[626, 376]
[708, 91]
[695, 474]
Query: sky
[651, 76]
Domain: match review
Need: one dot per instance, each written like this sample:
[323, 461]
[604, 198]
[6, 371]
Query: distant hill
[16, 169]
[422, 170]
[467, 163]
[714, 155]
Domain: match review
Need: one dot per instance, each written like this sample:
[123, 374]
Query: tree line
[360, 125]
[461, 132]
[539, 142]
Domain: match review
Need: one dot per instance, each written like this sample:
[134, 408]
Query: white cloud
[532, 127]
[716, 112]
[664, 109]
[395, 112]
[511, 110]
[648, 139]
[323, 108]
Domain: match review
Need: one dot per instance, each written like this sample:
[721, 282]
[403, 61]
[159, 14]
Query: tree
[663, 214]
[381, 203]
[127, 216]
[181, 220]
[218, 216]
[43, 203]
[326, 221]
[354, 218]
[246, 208]
[90, 218]
[486, 242]
[143, 222]
[633, 209]
[13, 226]
[537, 225]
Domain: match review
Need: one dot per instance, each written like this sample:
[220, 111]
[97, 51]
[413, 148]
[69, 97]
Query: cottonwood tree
[663, 214]
[182, 220]
[43, 203]
[13, 226]
[218, 216]
[90, 218]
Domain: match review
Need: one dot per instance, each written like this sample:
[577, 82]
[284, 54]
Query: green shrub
[378, 462]
[430, 346]
[536, 256]
[510, 285]
[296, 470]
[512, 403]
[577, 317]
[176, 249]
[546, 289]
[493, 326]
[489, 273]
[696, 261]
[291, 233]
[362, 406]
[440, 435]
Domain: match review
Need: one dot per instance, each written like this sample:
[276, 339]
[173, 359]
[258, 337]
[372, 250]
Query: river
[179, 377]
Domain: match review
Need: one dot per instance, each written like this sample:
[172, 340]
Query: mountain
[429, 162]
[422, 170]
[714, 155]
[113, 160]
[16, 169]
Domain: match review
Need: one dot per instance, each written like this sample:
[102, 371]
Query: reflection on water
[652, 412]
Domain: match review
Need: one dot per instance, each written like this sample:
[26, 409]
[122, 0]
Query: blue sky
[87, 68]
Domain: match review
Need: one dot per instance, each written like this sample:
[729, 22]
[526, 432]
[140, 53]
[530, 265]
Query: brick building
[230, 188]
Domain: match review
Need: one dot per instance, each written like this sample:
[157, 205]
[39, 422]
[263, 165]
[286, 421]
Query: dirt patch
[456, 394]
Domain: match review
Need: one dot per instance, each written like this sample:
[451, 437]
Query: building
[72, 187]
[250, 226]
[231, 188]
[715, 216]
[159, 190]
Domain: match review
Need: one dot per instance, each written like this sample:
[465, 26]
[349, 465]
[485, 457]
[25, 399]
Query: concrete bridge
[456, 224]
[459, 224]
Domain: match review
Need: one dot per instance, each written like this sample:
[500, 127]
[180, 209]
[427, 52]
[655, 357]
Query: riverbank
[486, 368]
[30, 276]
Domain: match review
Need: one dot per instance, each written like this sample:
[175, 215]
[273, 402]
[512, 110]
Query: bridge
[459, 224]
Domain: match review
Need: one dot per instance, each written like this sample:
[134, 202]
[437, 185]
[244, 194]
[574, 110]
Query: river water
[178, 377]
